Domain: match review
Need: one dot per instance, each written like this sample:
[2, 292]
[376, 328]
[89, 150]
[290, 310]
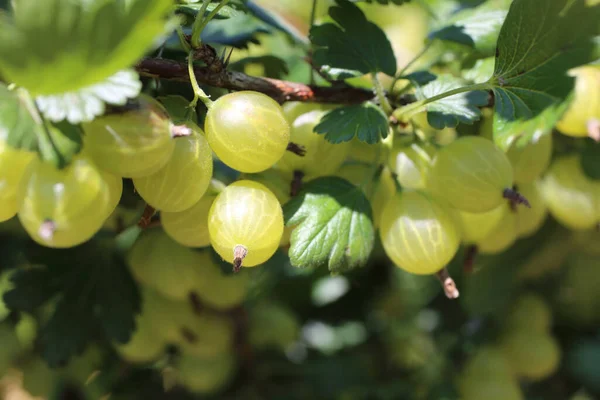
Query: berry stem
[448, 284]
[239, 253]
[470, 254]
[198, 92]
[296, 149]
[515, 197]
[296, 185]
[146, 217]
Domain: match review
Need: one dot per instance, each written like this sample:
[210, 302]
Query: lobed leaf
[87, 103]
[476, 27]
[536, 47]
[366, 121]
[352, 43]
[72, 44]
[92, 291]
[449, 111]
[333, 225]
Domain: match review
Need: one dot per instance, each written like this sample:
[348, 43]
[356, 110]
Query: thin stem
[410, 64]
[385, 104]
[198, 92]
[313, 12]
[186, 46]
[199, 25]
[209, 17]
[411, 109]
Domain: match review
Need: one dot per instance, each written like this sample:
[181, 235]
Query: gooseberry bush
[325, 199]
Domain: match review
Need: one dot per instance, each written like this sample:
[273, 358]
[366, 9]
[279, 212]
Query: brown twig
[469, 261]
[448, 284]
[146, 218]
[296, 184]
[215, 74]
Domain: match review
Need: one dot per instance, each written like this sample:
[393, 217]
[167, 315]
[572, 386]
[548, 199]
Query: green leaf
[57, 46]
[590, 160]
[274, 67]
[190, 11]
[476, 27]
[481, 72]
[92, 291]
[22, 128]
[522, 132]
[453, 33]
[87, 103]
[20, 124]
[366, 121]
[420, 78]
[384, 2]
[353, 44]
[536, 48]
[58, 143]
[238, 31]
[333, 225]
[178, 108]
[449, 111]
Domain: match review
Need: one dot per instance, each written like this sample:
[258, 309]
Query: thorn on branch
[146, 218]
[448, 284]
[515, 198]
[296, 149]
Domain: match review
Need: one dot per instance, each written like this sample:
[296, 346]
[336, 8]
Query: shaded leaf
[366, 121]
[77, 43]
[590, 160]
[449, 111]
[333, 225]
[536, 48]
[20, 123]
[476, 27]
[237, 31]
[352, 43]
[420, 78]
[274, 67]
[87, 103]
[58, 143]
[178, 108]
[94, 295]
[190, 11]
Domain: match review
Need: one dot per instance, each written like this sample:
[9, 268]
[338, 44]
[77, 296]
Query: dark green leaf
[274, 67]
[590, 160]
[77, 44]
[178, 108]
[238, 31]
[583, 363]
[384, 2]
[420, 78]
[353, 43]
[475, 27]
[333, 225]
[453, 33]
[20, 124]
[366, 121]
[536, 48]
[449, 111]
[87, 103]
[93, 291]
